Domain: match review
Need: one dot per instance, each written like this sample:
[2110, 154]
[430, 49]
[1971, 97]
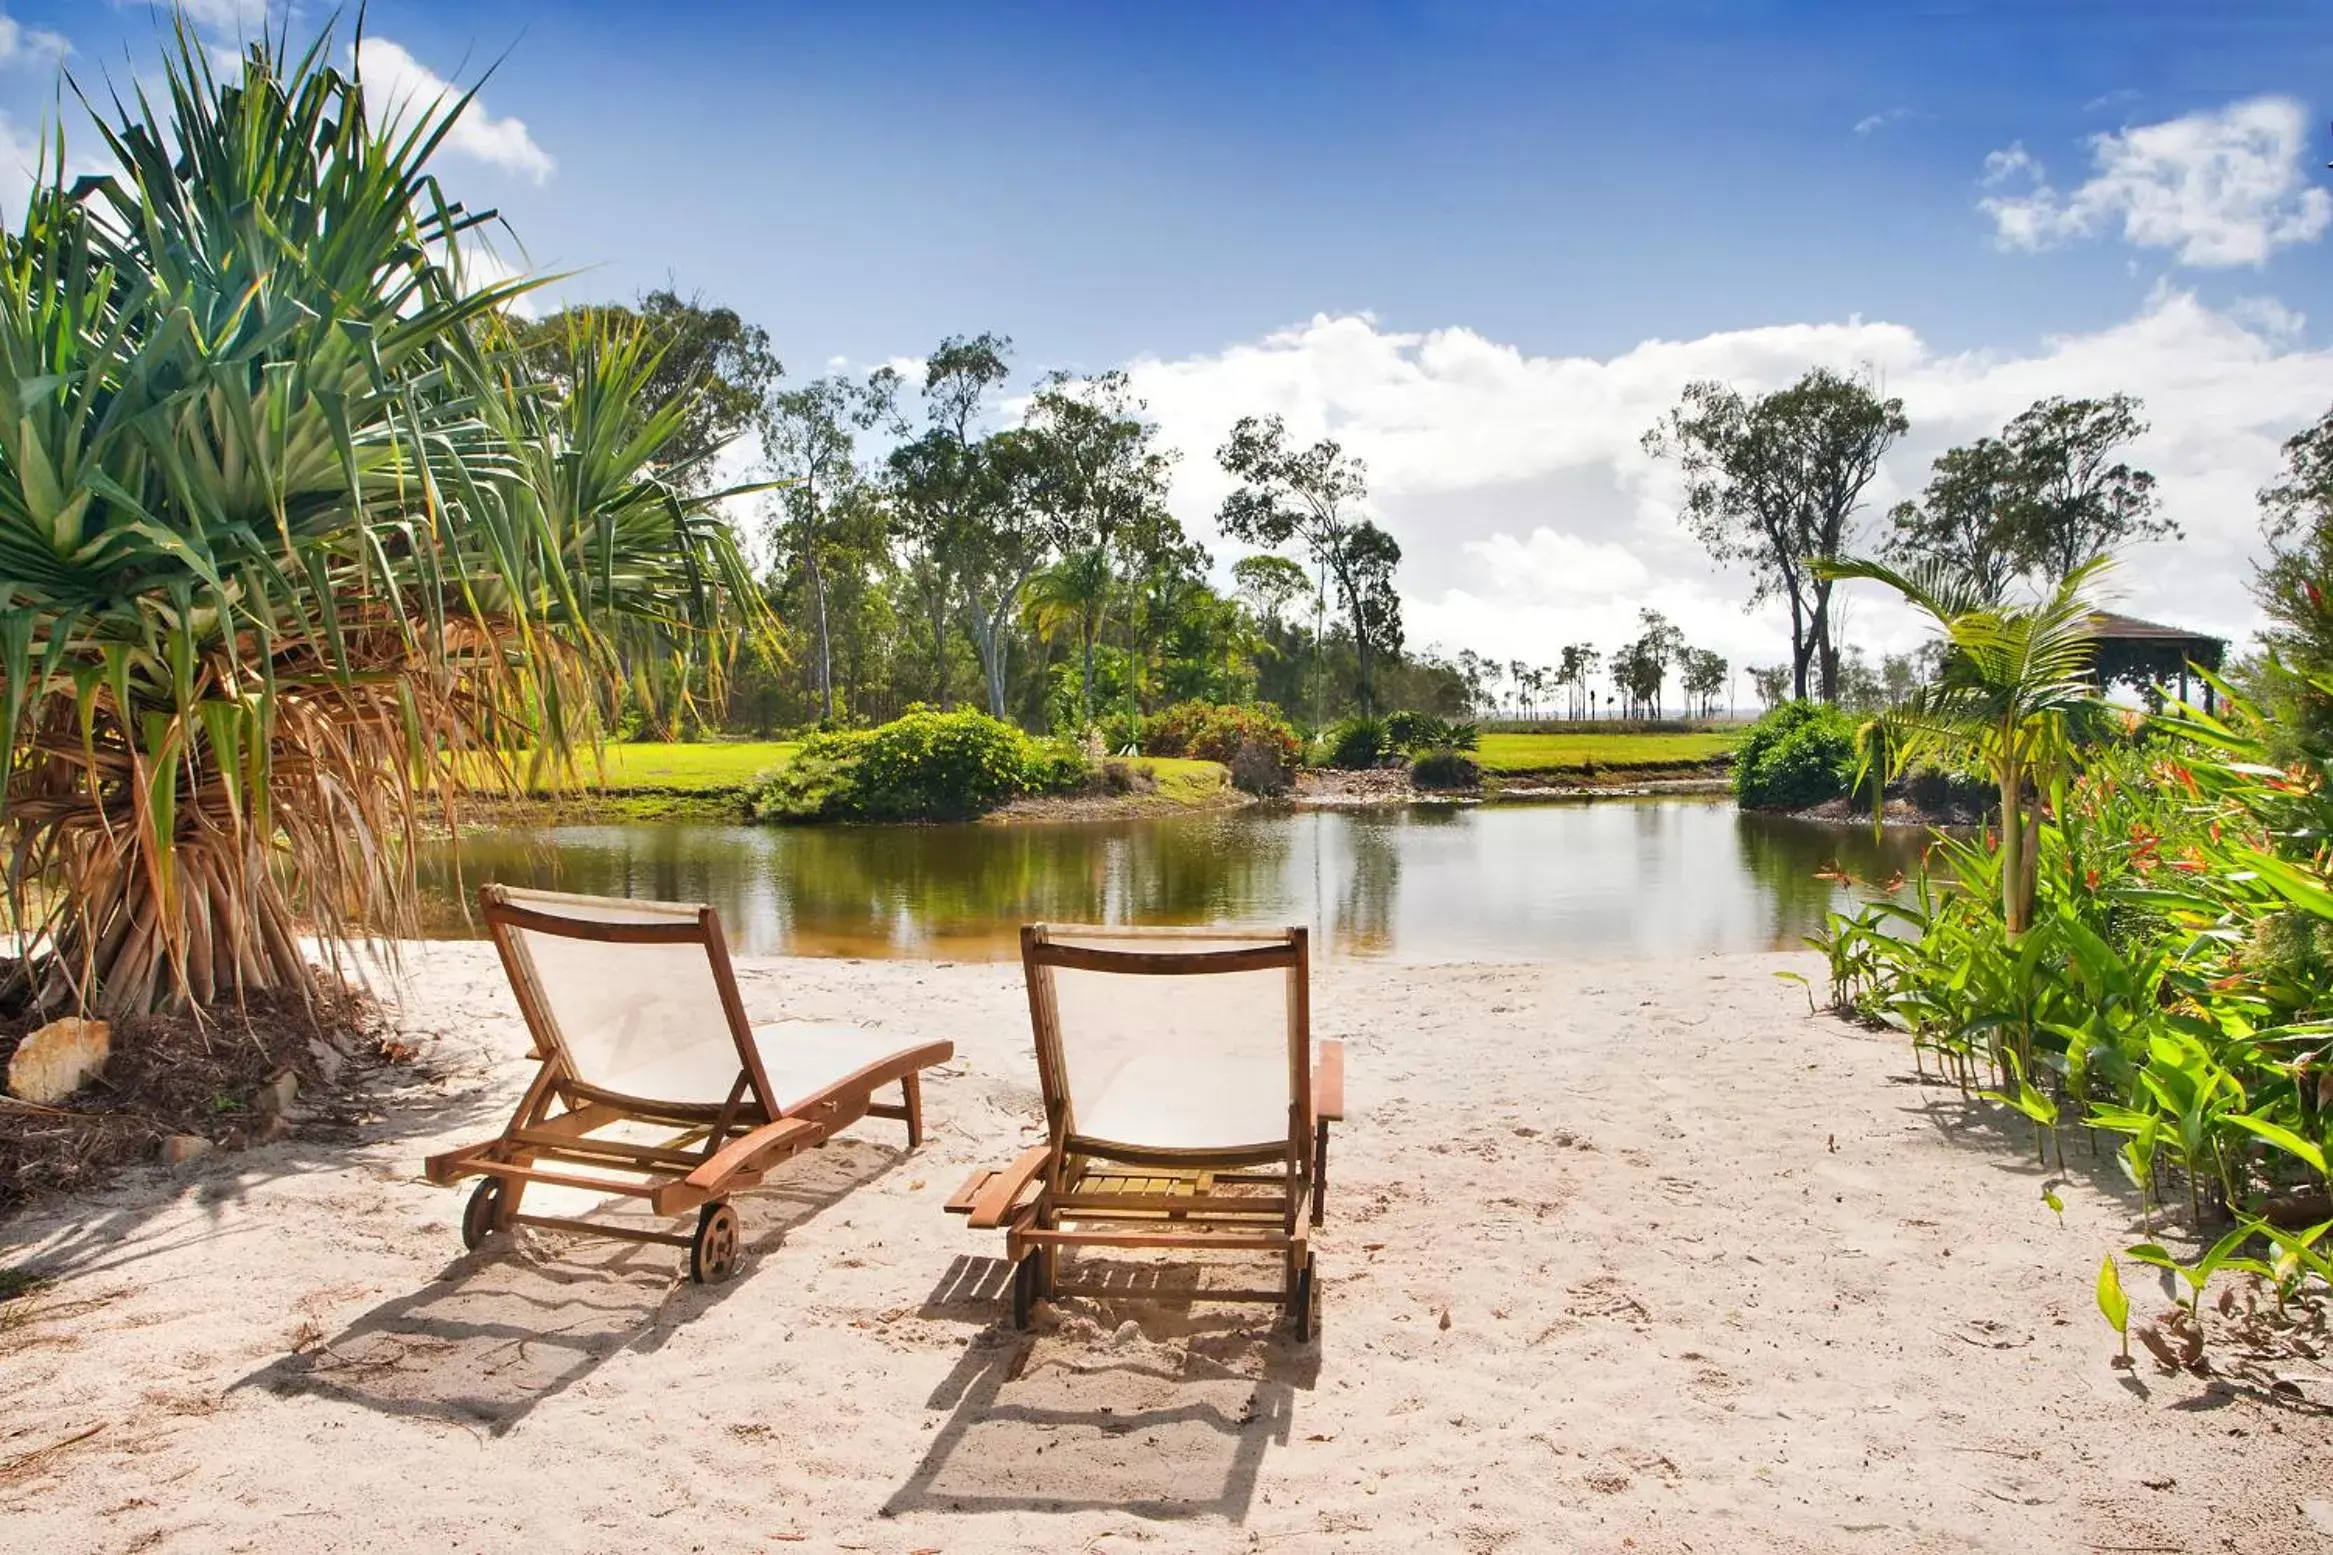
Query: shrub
[1121, 732]
[1800, 754]
[1116, 776]
[924, 765]
[1420, 732]
[1355, 742]
[1445, 769]
[1258, 767]
[1215, 731]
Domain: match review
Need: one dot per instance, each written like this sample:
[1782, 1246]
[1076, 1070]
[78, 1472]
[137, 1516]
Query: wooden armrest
[1328, 1081]
[961, 1201]
[743, 1156]
[995, 1203]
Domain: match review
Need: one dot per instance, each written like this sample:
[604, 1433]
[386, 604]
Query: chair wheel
[713, 1250]
[1303, 1306]
[479, 1215]
[1024, 1288]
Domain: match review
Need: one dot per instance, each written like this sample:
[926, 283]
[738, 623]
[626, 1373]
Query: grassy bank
[1513, 754]
[708, 780]
[701, 767]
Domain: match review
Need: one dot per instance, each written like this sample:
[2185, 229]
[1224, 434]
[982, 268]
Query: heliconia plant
[2169, 985]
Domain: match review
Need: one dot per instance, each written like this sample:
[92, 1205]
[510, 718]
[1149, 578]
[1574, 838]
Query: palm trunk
[2016, 902]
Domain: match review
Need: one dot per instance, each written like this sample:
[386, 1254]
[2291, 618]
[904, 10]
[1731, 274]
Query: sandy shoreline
[1631, 1255]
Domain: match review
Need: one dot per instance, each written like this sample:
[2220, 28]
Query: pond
[1494, 882]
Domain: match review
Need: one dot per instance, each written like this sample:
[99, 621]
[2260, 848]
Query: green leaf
[2278, 1135]
[2111, 1301]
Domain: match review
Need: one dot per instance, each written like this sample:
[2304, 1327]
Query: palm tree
[2012, 680]
[290, 547]
[1073, 597]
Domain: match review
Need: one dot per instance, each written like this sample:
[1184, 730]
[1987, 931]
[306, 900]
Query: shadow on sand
[1169, 1421]
[529, 1315]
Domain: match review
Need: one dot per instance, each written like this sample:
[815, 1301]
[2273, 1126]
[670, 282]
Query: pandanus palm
[289, 547]
[2013, 679]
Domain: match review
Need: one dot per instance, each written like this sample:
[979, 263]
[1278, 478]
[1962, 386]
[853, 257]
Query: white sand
[1715, 1278]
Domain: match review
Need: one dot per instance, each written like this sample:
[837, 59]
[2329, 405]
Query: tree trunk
[825, 640]
[2016, 904]
[1799, 647]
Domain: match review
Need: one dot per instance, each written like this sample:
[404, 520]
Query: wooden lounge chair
[652, 1085]
[1185, 1106]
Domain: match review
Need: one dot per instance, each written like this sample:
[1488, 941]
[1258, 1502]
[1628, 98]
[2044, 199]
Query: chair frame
[1074, 1191]
[718, 1149]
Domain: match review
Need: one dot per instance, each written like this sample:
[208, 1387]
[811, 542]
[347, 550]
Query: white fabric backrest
[1175, 1062]
[643, 1020]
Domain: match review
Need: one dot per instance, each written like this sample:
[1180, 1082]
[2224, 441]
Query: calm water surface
[1510, 882]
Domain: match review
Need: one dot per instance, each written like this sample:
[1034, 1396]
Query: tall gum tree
[1100, 481]
[1774, 481]
[1312, 495]
[810, 439]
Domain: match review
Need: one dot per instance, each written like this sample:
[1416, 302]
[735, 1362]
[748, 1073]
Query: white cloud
[19, 156]
[2268, 317]
[22, 45]
[2001, 166]
[406, 86]
[235, 16]
[1873, 122]
[1530, 517]
[2217, 188]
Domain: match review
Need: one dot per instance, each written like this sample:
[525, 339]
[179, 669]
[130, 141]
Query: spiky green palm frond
[290, 546]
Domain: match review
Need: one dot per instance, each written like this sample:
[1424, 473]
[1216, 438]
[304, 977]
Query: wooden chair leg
[911, 1093]
[1320, 1170]
[506, 1202]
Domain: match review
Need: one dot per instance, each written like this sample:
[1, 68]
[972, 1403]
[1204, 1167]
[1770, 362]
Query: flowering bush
[1215, 731]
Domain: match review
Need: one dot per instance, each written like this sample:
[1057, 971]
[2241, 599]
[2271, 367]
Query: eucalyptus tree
[1774, 481]
[954, 487]
[1100, 485]
[1969, 518]
[2293, 586]
[291, 542]
[2011, 681]
[1269, 584]
[1312, 495]
[810, 438]
[2075, 500]
[2039, 500]
[715, 366]
[1642, 667]
[1703, 672]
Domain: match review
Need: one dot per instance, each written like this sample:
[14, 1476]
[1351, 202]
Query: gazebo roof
[2147, 653]
[2109, 627]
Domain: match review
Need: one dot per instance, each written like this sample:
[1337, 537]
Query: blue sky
[1450, 232]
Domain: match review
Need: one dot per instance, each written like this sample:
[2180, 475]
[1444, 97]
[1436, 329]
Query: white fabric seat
[1173, 1101]
[804, 1057]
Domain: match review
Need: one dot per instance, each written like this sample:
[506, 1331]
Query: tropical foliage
[2169, 991]
[290, 540]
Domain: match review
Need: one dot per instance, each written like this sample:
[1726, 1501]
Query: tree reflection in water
[1424, 883]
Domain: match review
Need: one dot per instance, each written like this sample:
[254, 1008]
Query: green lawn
[1186, 781]
[1623, 752]
[709, 767]
[720, 767]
